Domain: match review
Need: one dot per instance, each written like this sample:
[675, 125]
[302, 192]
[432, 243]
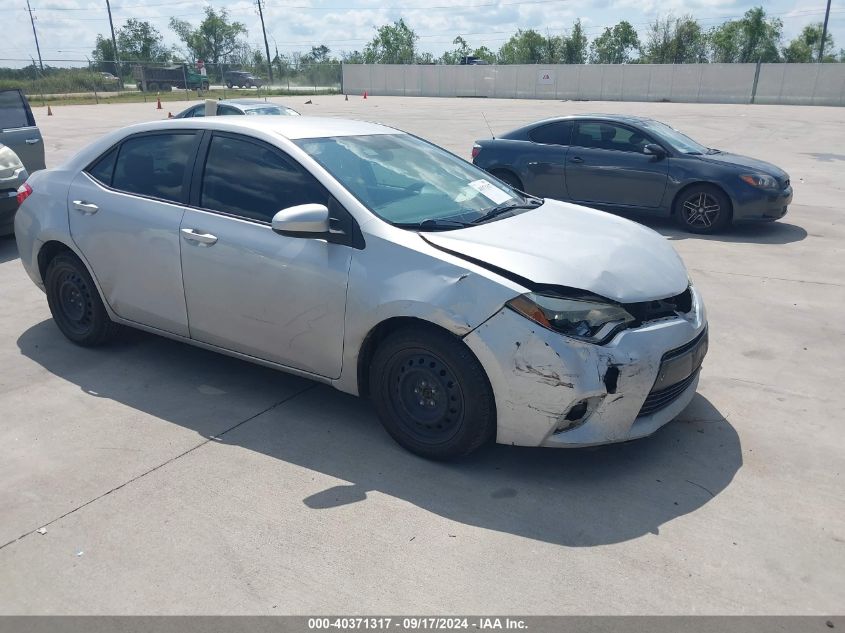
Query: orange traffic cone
[158, 107]
[365, 94]
[49, 111]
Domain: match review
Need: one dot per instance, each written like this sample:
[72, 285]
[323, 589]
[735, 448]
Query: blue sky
[67, 28]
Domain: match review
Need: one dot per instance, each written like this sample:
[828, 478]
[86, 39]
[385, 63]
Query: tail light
[24, 192]
[476, 150]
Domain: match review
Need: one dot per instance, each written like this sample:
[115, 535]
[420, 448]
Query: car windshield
[676, 139]
[268, 109]
[407, 181]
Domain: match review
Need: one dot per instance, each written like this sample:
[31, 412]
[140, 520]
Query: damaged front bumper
[552, 390]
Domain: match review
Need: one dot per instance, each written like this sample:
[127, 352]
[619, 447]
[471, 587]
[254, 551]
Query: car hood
[752, 164]
[569, 245]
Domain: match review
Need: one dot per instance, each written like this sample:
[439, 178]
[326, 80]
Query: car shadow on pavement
[763, 233]
[8, 248]
[577, 498]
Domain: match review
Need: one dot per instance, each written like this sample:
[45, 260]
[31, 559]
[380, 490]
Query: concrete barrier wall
[801, 84]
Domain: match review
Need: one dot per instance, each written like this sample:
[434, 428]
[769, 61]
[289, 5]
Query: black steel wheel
[431, 393]
[703, 209]
[75, 303]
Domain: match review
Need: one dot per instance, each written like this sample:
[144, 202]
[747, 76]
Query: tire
[152, 86]
[205, 85]
[508, 178]
[431, 393]
[691, 209]
[166, 87]
[75, 302]
[229, 86]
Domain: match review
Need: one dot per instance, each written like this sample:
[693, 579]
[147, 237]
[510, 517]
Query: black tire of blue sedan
[75, 302]
[432, 394]
[703, 209]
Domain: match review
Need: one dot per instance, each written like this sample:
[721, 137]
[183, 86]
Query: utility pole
[114, 45]
[266, 45]
[37, 47]
[824, 32]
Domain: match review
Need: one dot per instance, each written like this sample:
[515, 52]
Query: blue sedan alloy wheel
[703, 209]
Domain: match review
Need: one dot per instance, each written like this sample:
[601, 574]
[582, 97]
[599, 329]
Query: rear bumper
[763, 207]
[538, 376]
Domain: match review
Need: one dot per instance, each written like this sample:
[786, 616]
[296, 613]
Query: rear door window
[14, 111]
[254, 181]
[552, 133]
[154, 165]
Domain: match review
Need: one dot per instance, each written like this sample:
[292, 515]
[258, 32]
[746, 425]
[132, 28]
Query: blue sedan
[626, 163]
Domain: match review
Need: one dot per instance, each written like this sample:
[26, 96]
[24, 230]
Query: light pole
[824, 32]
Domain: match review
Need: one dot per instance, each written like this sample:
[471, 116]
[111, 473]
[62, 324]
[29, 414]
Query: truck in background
[151, 78]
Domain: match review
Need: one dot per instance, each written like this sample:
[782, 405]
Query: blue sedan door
[606, 165]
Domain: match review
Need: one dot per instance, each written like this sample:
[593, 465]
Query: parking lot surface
[175, 481]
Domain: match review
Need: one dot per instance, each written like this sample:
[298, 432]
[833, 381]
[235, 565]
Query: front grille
[646, 311]
[658, 400]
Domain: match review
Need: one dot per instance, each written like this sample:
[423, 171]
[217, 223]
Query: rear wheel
[508, 178]
[432, 394]
[152, 86]
[703, 209]
[75, 303]
[229, 86]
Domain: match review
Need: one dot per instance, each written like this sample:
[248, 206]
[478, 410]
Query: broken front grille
[646, 311]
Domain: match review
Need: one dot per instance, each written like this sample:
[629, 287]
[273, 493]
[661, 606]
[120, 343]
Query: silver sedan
[366, 258]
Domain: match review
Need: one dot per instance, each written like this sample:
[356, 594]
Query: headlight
[584, 320]
[764, 181]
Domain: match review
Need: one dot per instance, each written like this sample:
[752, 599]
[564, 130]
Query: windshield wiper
[505, 207]
[710, 150]
[433, 224]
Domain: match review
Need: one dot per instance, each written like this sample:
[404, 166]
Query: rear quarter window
[154, 165]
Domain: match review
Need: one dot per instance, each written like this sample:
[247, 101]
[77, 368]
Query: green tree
[214, 40]
[575, 46]
[616, 45]
[524, 47]
[393, 44]
[752, 38]
[674, 41]
[319, 55]
[460, 51]
[805, 47]
[139, 40]
[104, 55]
[482, 52]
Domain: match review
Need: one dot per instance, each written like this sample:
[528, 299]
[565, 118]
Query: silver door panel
[250, 290]
[132, 246]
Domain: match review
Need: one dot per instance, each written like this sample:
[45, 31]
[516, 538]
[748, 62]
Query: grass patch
[176, 95]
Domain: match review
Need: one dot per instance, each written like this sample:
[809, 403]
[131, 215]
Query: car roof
[623, 118]
[292, 128]
[248, 102]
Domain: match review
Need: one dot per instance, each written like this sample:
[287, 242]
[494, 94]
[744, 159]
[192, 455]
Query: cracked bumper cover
[537, 375]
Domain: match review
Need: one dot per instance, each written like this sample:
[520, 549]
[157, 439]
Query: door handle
[32, 141]
[576, 159]
[85, 208]
[203, 239]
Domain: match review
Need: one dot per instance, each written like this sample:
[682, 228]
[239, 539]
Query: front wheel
[432, 394]
[703, 209]
[75, 303]
[205, 85]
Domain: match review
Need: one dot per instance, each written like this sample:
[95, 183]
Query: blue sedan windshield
[405, 180]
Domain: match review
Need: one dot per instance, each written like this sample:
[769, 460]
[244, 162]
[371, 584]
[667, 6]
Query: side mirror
[653, 149]
[303, 220]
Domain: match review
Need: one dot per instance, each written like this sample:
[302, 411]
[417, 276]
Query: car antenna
[488, 126]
